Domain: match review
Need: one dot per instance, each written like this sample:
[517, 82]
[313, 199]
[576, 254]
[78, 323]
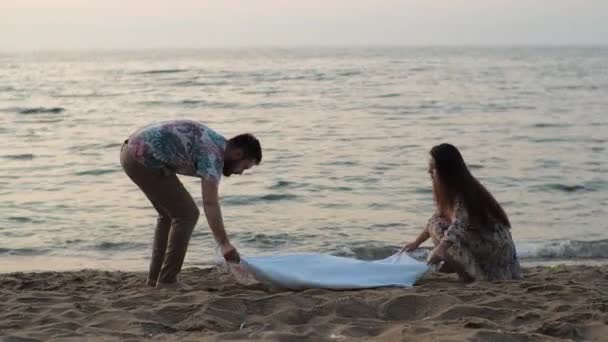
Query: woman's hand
[437, 255]
[409, 247]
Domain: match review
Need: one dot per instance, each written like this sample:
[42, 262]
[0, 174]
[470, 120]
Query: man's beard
[228, 167]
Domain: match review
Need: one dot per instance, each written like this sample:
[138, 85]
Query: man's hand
[230, 253]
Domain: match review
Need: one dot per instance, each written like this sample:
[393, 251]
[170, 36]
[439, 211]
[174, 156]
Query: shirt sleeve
[458, 228]
[209, 168]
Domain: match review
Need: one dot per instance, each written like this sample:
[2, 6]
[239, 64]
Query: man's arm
[213, 212]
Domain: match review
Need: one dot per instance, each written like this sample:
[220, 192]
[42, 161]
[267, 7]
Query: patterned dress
[182, 146]
[486, 253]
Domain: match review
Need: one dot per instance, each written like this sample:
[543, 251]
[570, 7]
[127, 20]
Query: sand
[552, 303]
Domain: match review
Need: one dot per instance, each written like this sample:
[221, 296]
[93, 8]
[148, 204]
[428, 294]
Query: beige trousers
[177, 216]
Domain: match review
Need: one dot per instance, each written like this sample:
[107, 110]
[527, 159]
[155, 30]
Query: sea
[346, 134]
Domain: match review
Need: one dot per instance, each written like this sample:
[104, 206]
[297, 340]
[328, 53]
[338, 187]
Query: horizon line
[309, 46]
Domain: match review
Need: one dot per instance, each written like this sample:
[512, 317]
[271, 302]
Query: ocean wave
[545, 140]
[320, 188]
[263, 92]
[247, 200]
[192, 104]
[24, 219]
[41, 110]
[274, 242]
[347, 73]
[112, 145]
[501, 108]
[548, 125]
[550, 251]
[583, 87]
[22, 251]
[569, 249]
[94, 146]
[286, 185]
[209, 104]
[162, 71]
[87, 95]
[271, 105]
[25, 156]
[199, 83]
[95, 172]
[373, 252]
[266, 240]
[382, 226]
[340, 163]
[566, 188]
[113, 246]
[420, 68]
[388, 95]
[590, 186]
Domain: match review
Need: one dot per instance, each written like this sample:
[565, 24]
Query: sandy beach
[561, 302]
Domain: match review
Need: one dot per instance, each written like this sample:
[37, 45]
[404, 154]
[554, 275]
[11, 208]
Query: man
[153, 155]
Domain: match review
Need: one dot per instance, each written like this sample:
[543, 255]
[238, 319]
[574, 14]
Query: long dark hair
[456, 181]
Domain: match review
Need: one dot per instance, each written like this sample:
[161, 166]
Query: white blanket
[305, 271]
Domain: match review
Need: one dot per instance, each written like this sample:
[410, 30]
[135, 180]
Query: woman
[470, 230]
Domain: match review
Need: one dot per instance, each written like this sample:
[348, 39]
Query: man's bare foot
[177, 285]
[150, 283]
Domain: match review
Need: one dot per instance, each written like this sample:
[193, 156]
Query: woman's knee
[457, 266]
[436, 231]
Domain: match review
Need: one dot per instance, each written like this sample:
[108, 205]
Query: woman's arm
[422, 237]
[458, 227]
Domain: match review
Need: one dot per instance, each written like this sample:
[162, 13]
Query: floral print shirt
[182, 146]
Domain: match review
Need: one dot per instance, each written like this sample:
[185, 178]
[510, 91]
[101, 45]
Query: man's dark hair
[250, 145]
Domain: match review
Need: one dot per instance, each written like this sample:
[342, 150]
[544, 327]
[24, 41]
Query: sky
[134, 24]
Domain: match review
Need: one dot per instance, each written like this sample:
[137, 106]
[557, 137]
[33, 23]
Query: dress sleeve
[434, 218]
[458, 228]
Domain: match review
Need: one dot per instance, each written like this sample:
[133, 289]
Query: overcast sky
[84, 24]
